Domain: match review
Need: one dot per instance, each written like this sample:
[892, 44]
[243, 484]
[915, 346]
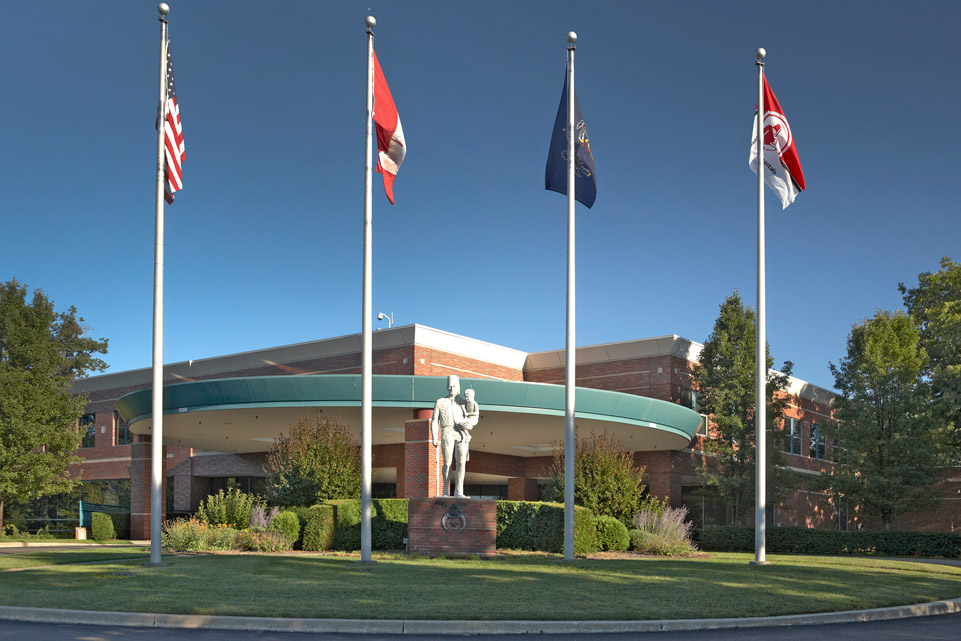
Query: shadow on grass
[505, 588]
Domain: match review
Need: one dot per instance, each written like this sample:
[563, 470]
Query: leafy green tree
[725, 380]
[889, 442]
[935, 308]
[315, 461]
[42, 352]
[606, 481]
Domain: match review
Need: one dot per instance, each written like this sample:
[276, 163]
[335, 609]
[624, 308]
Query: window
[88, 430]
[817, 442]
[794, 436]
[688, 398]
[704, 428]
[122, 434]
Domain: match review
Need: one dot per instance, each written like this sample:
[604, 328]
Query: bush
[662, 530]
[606, 481]
[799, 540]
[528, 525]
[315, 461]
[196, 536]
[318, 528]
[101, 527]
[261, 540]
[611, 534]
[388, 524]
[231, 508]
[288, 524]
[121, 524]
[261, 518]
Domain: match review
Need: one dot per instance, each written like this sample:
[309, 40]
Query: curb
[395, 626]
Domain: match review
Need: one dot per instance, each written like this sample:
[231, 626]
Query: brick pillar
[422, 461]
[140, 489]
[521, 489]
[658, 472]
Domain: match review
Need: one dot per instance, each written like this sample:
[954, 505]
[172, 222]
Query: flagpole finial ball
[163, 8]
[371, 22]
[571, 37]
[760, 53]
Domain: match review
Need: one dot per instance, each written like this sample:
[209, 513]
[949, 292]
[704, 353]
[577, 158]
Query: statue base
[452, 525]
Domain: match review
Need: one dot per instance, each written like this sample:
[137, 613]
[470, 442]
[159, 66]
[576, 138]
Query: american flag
[173, 135]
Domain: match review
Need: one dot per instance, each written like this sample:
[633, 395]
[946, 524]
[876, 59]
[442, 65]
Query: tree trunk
[1, 517]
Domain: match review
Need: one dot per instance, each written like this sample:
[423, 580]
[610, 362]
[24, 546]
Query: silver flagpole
[367, 352]
[761, 346]
[569, 354]
[156, 437]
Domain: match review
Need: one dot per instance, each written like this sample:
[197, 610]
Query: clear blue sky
[263, 245]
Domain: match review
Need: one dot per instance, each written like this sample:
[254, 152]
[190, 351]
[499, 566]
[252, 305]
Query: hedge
[388, 524]
[526, 525]
[121, 524]
[101, 527]
[611, 534]
[799, 540]
[317, 527]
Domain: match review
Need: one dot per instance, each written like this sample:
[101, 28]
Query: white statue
[456, 416]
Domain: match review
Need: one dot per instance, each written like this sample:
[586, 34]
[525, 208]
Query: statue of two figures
[455, 416]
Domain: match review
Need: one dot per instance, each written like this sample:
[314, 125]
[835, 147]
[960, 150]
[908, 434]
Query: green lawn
[511, 587]
[38, 556]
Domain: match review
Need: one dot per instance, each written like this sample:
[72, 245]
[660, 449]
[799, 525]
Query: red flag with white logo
[391, 146]
[782, 168]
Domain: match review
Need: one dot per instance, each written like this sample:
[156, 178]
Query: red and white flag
[782, 168]
[391, 146]
[173, 137]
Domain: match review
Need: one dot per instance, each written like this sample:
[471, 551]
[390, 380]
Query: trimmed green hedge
[101, 527]
[526, 525]
[317, 532]
[388, 524]
[121, 524]
[611, 534]
[799, 540]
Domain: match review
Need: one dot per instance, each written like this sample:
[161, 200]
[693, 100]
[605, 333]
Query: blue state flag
[585, 181]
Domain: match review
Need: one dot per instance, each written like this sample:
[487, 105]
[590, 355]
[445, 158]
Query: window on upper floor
[794, 427]
[817, 442]
[122, 434]
[688, 398]
[88, 430]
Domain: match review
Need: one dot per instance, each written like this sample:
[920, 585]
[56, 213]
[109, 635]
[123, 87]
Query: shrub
[606, 481]
[528, 525]
[288, 524]
[799, 540]
[315, 461]
[121, 524]
[261, 540]
[318, 530]
[101, 527]
[388, 524]
[611, 534]
[260, 517]
[196, 536]
[10, 530]
[666, 533]
[231, 508]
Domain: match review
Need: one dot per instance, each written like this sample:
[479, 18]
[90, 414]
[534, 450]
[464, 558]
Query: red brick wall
[435, 362]
[427, 535]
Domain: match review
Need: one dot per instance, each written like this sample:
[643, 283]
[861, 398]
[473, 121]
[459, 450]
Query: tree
[890, 442]
[726, 389]
[42, 352]
[315, 461]
[606, 481]
[935, 308]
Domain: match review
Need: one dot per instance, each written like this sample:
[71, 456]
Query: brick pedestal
[471, 526]
[140, 490]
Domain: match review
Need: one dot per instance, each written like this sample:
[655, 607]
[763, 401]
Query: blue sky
[263, 245]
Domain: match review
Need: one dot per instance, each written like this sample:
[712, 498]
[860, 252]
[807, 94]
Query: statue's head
[453, 386]
[469, 394]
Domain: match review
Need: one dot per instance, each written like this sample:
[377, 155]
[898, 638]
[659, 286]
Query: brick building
[222, 413]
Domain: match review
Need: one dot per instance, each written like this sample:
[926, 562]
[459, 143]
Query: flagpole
[156, 437]
[570, 349]
[367, 350]
[760, 521]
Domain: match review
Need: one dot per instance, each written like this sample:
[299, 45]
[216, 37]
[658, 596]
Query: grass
[38, 557]
[538, 587]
